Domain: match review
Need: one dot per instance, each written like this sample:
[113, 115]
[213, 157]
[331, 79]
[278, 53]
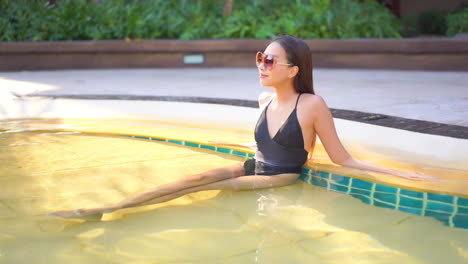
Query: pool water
[45, 170]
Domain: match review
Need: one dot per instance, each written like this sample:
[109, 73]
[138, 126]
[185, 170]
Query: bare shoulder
[264, 97]
[313, 101]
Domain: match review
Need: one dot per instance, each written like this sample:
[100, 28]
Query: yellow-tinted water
[44, 171]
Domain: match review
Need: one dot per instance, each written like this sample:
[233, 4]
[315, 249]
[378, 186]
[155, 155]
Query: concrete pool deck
[440, 97]
[115, 102]
[430, 96]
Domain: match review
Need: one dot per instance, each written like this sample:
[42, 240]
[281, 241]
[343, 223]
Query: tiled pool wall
[449, 209]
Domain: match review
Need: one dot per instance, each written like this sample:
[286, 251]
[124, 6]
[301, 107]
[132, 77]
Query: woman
[285, 134]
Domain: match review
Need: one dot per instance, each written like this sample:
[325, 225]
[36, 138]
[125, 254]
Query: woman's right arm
[325, 127]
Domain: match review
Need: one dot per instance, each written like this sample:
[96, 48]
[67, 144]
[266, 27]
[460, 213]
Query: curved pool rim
[450, 208]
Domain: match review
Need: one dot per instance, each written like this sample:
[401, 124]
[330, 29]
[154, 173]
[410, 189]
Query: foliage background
[36, 20]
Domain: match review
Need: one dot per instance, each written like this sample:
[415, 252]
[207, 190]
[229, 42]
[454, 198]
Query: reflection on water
[299, 223]
[267, 204]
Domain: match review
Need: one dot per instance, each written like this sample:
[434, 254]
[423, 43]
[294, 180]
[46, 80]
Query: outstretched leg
[204, 178]
[243, 183]
[236, 184]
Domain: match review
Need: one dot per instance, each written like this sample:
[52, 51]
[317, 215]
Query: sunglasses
[269, 61]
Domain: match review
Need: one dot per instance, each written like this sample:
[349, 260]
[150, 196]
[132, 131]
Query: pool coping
[414, 125]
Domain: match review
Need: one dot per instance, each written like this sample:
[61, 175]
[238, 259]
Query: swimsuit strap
[297, 101]
[271, 100]
[273, 97]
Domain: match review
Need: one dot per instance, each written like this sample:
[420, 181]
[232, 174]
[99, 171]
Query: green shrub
[432, 22]
[71, 20]
[35, 20]
[457, 22]
[367, 20]
[311, 19]
[23, 20]
[409, 26]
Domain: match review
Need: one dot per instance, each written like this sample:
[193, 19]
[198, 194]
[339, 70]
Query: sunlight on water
[47, 170]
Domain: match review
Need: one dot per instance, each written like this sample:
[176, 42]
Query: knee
[194, 179]
[198, 179]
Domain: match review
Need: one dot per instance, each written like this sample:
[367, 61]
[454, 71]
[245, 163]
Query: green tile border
[449, 209]
[443, 207]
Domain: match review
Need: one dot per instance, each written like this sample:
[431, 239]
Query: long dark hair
[298, 54]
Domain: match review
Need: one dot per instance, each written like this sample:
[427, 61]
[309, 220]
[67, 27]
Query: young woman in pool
[291, 119]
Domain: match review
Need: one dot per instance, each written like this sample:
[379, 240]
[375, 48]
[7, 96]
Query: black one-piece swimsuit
[284, 153]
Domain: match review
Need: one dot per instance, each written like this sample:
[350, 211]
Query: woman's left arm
[325, 129]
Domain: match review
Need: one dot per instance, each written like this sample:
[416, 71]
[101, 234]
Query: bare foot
[90, 215]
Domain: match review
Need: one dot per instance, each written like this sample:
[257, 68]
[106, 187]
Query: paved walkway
[431, 96]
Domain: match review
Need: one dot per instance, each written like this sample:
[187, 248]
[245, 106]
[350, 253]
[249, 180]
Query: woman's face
[279, 74]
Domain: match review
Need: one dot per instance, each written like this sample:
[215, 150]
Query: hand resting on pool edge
[297, 116]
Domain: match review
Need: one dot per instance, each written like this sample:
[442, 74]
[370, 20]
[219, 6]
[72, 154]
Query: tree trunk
[227, 7]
